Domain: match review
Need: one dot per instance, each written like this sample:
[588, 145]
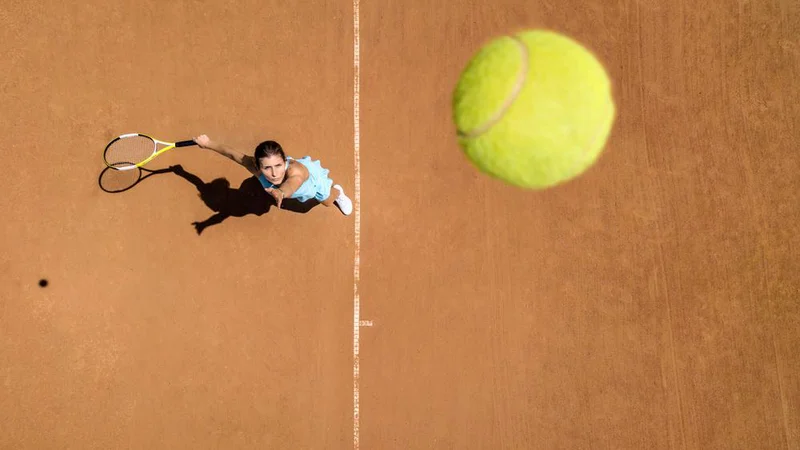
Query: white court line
[357, 210]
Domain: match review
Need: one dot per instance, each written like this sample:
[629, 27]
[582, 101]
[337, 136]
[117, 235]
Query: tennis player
[283, 176]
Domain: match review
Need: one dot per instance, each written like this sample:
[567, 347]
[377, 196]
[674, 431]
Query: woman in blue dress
[283, 176]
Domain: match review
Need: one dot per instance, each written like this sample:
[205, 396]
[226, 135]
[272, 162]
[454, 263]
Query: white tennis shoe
[343, 202]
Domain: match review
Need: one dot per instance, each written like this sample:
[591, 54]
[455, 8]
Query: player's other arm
[248, 162]
[295, 178]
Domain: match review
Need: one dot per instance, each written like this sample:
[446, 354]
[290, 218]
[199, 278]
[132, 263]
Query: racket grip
[185, 143]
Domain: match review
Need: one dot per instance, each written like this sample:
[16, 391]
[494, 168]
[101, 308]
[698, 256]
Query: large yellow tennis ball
[534, 109]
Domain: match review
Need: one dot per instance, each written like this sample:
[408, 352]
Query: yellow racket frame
[156, 153]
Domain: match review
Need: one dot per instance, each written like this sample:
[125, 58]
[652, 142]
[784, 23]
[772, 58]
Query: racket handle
[185, 143]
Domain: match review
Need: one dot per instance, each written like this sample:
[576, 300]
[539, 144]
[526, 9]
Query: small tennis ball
[534, 109]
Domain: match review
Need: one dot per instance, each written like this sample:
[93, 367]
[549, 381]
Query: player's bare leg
[339, 199]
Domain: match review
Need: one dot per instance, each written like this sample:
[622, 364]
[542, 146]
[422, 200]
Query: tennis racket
[133, 150]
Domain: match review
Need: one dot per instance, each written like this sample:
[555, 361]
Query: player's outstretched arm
[248, 162]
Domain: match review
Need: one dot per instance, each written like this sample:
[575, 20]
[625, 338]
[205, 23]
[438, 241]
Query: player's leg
[339, 199]
[335, 195]
[331, 198]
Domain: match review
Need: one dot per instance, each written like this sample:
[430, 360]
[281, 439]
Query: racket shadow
[226, 201]
[114, 181]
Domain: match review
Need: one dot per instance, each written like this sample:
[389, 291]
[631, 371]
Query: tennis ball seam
[518, 85]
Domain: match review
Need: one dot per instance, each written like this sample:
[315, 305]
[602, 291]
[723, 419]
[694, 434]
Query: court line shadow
[226, 202]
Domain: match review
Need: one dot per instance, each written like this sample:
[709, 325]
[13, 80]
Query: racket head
[129, 151]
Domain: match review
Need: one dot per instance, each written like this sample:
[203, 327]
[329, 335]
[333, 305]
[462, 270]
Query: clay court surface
[653, 303]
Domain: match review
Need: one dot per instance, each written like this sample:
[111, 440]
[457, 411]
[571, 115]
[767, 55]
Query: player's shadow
[249, 198]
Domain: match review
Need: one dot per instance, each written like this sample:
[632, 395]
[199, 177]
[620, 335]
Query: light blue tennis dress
[317, 186]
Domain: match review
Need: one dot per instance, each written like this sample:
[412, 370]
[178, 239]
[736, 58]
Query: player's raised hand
[203, 141]
[277, 194]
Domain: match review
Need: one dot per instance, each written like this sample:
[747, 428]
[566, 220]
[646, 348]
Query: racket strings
[130, 150]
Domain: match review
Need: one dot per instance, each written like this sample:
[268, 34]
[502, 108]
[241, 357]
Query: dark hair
[267, 149]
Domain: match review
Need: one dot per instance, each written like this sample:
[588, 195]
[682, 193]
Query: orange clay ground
[653, 303]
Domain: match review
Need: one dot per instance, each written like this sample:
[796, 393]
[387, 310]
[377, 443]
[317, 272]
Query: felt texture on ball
[534, 109]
